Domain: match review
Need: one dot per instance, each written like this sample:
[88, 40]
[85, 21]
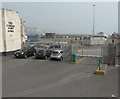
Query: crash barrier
[101, 69]
[76, 58]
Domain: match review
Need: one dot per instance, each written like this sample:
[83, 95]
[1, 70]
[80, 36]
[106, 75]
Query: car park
[25, 52]
[42, 53]
[57, 54]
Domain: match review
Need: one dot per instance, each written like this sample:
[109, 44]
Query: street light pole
[93, 19]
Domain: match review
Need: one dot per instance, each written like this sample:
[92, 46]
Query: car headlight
[22, 53]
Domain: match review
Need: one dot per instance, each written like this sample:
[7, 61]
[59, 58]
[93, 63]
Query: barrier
[74, 59]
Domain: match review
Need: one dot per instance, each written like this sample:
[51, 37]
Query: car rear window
[55, 52]
[41, 51]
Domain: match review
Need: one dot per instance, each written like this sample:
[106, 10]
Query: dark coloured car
[43, 53]
[25, 52]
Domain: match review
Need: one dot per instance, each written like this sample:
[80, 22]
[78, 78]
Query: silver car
[57, 54]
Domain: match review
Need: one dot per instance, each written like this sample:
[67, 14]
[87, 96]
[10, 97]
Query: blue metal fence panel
[32, 37]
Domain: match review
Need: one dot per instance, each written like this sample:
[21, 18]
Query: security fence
[85, 50]
[67, 52]
[117, 59]
[110, 53]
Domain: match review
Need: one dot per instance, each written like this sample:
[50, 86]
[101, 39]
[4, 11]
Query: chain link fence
[110, 53]
[67, 52]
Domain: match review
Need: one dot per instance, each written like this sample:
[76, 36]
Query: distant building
[50, 34]
[97, 39]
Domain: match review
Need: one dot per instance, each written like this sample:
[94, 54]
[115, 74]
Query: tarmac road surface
[45, 78]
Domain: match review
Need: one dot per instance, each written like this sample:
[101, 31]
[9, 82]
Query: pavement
[45, 78]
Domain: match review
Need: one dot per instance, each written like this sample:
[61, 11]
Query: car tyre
[25, 56]
[45, 57]
[61, 59]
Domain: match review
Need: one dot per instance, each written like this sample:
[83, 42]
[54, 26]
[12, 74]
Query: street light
[94, 19]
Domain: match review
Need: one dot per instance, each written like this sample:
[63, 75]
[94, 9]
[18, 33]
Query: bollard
[82, 52]
[99, 64]
[108, 60]
[73, 57]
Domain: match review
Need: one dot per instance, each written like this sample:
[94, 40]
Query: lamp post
[94, 19]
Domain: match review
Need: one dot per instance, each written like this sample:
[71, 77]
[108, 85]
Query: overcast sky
[68, 17]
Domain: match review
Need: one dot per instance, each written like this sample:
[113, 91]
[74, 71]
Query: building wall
[95, 41]
[11, 30]
[1, 40]
[50, 34]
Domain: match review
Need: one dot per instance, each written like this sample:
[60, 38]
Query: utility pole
[94, 19]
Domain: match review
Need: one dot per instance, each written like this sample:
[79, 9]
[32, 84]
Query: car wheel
[25, 56]
[61, 59]
[45, 57]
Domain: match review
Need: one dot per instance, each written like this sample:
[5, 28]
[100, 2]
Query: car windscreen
[40, 51]
[55, 52]
[23, 49]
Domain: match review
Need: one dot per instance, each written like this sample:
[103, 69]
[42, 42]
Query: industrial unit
[50, 34]
[97, 39]
[12, 31]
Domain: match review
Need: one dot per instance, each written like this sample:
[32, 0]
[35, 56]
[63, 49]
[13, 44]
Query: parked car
[57, 54]
[25, 52]
[43, 53]
[54, 46]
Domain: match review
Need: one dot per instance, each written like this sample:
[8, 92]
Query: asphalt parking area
[41, 78]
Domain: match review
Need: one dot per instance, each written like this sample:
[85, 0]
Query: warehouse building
[97, 39]
[50, 35]
[12, 32]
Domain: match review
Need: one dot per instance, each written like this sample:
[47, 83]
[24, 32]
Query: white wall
[13, 36]
[1, 41]
[13, 39]
[95, 41]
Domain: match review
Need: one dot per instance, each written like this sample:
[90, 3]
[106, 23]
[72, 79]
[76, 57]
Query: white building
[97, 39]
[12, 31]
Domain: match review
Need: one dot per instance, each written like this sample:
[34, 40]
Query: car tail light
[59, 54]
